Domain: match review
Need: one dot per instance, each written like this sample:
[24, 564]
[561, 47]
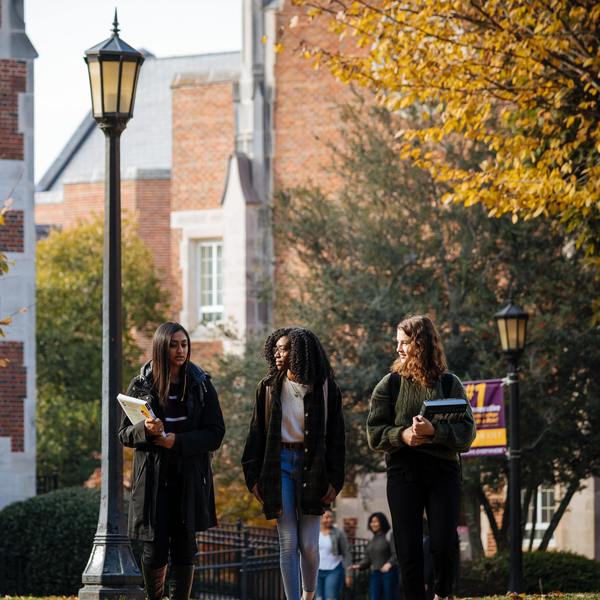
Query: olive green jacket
[386, 422]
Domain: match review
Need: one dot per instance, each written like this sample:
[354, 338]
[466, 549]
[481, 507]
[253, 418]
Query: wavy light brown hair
[425, 361]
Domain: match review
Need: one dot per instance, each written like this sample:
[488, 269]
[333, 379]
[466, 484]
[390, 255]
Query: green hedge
[542, 572]
[45, 542]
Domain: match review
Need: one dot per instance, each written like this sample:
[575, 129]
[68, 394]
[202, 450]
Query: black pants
[170, 533]
[416, 482]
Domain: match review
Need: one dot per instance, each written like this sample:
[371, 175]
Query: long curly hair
[425, 361]
[308, 359]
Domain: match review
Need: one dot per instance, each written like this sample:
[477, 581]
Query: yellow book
[136, 410]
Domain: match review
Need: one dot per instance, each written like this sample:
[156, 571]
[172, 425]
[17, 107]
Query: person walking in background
[423, 468]
[172, 492]
[294, 455]
[380, 558]
[335, 559]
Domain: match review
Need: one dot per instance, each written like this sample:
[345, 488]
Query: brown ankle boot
[154, 581]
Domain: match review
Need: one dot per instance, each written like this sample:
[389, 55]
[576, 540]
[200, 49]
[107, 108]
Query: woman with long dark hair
[423, 466]
[380, 559]
[172, 490]
[294, 454]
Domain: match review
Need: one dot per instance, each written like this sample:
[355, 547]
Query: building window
[210, 282]
[545, 500]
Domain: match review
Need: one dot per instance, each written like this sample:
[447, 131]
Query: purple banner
[487, 401]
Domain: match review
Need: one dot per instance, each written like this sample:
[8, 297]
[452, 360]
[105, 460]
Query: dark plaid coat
[324, 448]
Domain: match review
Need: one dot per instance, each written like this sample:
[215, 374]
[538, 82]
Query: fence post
[244, 576]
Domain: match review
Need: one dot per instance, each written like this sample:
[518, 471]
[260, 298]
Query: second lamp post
[512, 327]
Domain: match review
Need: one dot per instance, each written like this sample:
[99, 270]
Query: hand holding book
[140, 410]
[419, 433]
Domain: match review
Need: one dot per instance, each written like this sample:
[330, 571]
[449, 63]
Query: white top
[292, 411]
[327, 559]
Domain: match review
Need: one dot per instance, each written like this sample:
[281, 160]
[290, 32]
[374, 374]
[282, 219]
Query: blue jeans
[330, 583]
[384, 586]
[298, 533]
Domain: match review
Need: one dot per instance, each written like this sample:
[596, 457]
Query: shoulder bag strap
[447, 380]
[393, 388]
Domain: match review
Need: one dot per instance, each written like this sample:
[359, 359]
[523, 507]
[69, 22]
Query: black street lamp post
[512, 327]
[111, 571]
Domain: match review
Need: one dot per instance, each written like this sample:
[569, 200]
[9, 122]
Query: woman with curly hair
[423, 463]
[294, 455]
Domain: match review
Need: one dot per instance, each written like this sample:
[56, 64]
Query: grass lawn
[556, 596]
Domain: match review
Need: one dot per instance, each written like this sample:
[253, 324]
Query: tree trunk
[533, 519]
[473, 520]
[505, 522]
[489, 513]
[557, 516]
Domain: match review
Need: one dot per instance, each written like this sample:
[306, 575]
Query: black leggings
[170, 533]
[416, 482]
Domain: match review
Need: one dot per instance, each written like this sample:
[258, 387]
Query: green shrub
[45, 542]
[543, 572]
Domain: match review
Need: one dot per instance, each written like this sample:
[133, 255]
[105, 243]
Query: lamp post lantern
[512, 328]
[111, 571]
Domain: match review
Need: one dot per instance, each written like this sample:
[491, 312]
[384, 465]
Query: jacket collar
[196, 375]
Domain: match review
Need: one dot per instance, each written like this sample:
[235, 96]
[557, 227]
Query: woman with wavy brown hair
[422, 459]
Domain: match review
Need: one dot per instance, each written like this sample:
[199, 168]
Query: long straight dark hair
[161, 369]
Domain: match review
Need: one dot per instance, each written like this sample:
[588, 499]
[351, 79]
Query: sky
[61, 31]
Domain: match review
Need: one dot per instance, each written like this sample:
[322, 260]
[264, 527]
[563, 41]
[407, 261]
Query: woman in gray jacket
[380, 558]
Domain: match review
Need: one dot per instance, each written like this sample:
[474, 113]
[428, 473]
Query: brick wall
[153, 215]
[11, 232]
[13, 78]
[203, 139]
[13, 391]
[204, 353]
[306, 115]
[146, 201]
[307, 122]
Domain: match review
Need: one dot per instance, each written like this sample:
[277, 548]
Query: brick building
[211, 139]
[17, 241]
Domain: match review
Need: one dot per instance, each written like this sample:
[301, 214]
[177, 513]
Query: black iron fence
[236, 562]
[46, 483]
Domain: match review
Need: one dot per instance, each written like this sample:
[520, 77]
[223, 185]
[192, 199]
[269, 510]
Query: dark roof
[146, 143]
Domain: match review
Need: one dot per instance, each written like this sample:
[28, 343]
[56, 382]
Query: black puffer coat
[203, 434]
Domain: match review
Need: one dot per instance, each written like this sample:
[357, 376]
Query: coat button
[306, 432]
[305, 449]
[306, 414]
[303, 485]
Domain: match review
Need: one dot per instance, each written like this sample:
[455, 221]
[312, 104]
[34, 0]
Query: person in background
[335, 559]
[172, 492]
[422, 459]
[294, 457]
[380, 558]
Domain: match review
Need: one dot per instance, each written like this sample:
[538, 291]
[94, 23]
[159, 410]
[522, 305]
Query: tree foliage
[69, 339]
[384, 247]
[520, 80]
